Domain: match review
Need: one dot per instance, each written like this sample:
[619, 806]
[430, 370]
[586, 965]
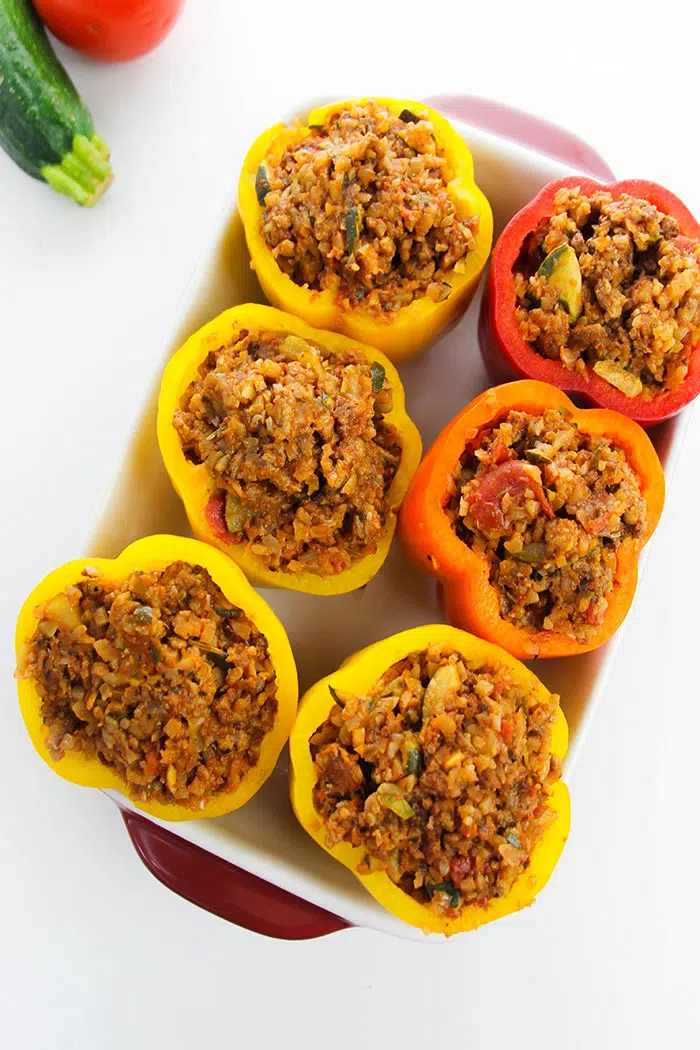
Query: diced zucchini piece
[235, 513]
[438, 291]
[619, 377]
[262, 184]
[392, 798]
[538, 456]
[454, 897]
[561, 269]
[352, 227]
[413, 762]
[412, 756]
[532, 553]
[340, 696]
[378, 373]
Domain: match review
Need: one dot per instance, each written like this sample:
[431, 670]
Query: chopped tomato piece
[507, 730]
[513, 478]
[152, 762]
[459, 869]
[500, 452]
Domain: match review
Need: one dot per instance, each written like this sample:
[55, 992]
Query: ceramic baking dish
[257, 867]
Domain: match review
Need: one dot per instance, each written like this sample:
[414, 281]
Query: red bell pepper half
[506, 354]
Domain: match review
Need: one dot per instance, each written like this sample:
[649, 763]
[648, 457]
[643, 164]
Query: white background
[94, 953]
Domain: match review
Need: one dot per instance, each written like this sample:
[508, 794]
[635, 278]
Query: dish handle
[224, 889]
[527, 130]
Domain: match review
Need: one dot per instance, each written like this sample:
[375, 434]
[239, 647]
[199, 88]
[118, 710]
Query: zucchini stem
[83, 174]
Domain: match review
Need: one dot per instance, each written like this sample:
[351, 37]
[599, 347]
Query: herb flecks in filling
[625, 301]
[159, 677]
[295, 440]
[442, 775]
[361, 207]
[549, 506]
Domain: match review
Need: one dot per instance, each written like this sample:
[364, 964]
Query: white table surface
[94, 953]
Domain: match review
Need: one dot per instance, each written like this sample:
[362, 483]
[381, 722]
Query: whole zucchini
[44, 124]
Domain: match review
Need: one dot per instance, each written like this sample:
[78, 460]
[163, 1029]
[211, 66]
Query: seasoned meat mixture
[626, 301]
[361, 207]
[442, 774]
[296, 443]
[549, 507]
[159, 676]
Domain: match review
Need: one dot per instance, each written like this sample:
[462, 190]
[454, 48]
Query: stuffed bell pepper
[291, 448]
[596, 289]
[532, 515]
[429, 765]
[160, 674]
[367, 220]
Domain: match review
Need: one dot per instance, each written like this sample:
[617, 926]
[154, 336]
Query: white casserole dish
[263, 838]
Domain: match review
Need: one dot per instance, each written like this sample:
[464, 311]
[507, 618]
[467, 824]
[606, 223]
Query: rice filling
[361, 207]
[158, 676]
[441, 774]
[295, 442]
[549, 507]
[625, 301]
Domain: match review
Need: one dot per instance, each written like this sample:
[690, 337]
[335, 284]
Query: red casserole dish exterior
[506, 354]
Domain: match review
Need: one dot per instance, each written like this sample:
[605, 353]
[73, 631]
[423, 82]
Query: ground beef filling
[640, 292]
[159, 677]
[295, 440]
[361, 207]
[441, 774]
[549, 507]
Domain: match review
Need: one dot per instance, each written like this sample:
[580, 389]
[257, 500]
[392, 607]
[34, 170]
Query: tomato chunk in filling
[623, 301]
[441, 774]
[158, 676]
[549, 507]
[361, 206]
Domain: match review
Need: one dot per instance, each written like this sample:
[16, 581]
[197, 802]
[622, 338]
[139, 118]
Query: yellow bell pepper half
[412, 327]
[157, 552]
[358, 674]
[195, 485]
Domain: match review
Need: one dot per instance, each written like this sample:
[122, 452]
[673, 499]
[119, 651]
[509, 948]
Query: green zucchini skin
[42, 116]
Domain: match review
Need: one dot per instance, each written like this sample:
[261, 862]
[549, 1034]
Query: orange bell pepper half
[432, 545]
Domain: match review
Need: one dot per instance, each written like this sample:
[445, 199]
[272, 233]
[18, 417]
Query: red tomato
[113, 30]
